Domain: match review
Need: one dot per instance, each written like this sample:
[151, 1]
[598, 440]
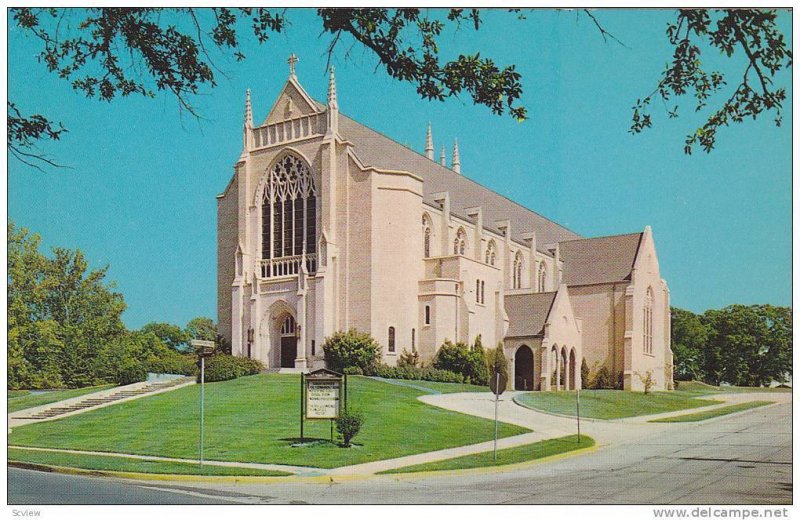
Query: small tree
[408, 359]
[348, 425]
[602, 379]
[496, 362]
[351, 349]
[584, 373]
[647, 380]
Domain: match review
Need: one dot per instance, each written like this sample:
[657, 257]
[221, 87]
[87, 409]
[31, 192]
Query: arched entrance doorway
[288, 342]
[523, 368]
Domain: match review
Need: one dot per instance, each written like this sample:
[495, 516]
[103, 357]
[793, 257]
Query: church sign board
[323, 394]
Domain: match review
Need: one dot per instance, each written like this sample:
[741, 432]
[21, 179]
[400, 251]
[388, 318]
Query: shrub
[353, 371]
[647, 381]
[602, 379]
[130, 371]
[496, 361]
[460, 359]
[584, 373]
[351, 349]
[416, 373]
[173, 363]
[222, 367]
[348, 425]
[408, 359]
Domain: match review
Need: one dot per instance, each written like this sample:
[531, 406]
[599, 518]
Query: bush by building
[222, 367]
[351, 349]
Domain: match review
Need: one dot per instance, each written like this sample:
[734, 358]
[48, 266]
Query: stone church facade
[327, 225]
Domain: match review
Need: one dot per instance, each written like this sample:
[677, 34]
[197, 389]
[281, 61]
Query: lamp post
[203, 349]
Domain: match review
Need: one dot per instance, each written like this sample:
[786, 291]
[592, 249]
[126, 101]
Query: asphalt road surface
[741, 459]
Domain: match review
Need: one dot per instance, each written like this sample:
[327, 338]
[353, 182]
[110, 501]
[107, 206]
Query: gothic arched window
[647, 329]
[426, 231]
[391, 339]
[517, 271]
[289, 211]
[541, 276]
[490, 253]
[460, 243]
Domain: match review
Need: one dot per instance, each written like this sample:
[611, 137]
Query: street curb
[318, 479]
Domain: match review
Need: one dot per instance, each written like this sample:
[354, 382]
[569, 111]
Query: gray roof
[375, 149]
[599, 260]
[527, 313]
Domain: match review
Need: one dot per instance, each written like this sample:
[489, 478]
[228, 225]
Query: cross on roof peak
[292, 61]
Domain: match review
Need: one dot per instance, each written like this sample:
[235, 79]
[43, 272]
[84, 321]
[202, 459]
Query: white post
[496, 399]
[202, 405]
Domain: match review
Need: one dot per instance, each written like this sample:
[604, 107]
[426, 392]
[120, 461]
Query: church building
[328, 225]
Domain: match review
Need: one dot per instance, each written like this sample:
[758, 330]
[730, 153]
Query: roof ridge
[458, 174]
[602, 236]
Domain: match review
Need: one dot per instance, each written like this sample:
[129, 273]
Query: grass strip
[611, 404]
[126, 464]
[525, 453]
[31, 400]
[710, 414]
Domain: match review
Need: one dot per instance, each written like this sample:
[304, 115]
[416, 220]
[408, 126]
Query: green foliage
[496, 361]
[123, 360]
[348, 424]
[408, 359]
[584, 373]
[602, 379]
[460, 359]
[753, 32]
[201, 328]
[353, 371]
[416, 373]
[222, 367]
[170, 335]
[351, 349]
[740, 345]
[60, 314]
[647, 380]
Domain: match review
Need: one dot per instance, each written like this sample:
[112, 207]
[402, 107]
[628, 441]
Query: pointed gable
[293, 101]
[527, 313]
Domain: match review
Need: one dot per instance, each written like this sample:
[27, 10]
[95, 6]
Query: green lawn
[528, 452]
[434, 387]
[107, 463]
[700, 388]
[256, 419]
[17, 393]
[611, 404]
[31, 400]
[710, 414]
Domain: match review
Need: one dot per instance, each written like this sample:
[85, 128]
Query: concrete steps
[93, 401]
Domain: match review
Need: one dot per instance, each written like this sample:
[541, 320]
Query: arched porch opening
[564, 369]
[523, 369]
[555, 364]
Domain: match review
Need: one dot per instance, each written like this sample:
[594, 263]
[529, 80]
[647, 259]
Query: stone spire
[442, 157]
[248, 110]
[456, 158]
[248, 123]
[332, 102]
[333, 106]
[429, 143]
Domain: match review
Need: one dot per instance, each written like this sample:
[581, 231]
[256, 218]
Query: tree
[201, 328]
[351, 349]
[584, 373]
[110, 52]
[171, 335]
[496, 362]
[753, 32]
[60, 314]
[689, 336]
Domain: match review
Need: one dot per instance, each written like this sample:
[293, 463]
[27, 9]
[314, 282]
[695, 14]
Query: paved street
[744, 458]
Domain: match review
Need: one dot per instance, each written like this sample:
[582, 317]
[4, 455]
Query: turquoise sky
[140, 194]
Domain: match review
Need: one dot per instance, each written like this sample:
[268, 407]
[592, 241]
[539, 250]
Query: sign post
[321, 397]
[578, 410]
[497, 385]
[203, 349]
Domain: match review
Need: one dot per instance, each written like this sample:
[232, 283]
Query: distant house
[328, 225]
